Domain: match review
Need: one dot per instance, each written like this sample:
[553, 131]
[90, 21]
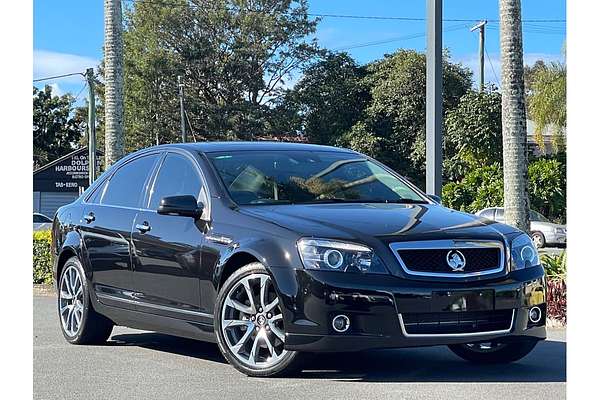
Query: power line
[81, 91]
[348, 16]
[492, 65]
[57, 76]
[395, 39]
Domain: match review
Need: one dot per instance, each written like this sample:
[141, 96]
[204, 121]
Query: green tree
[473, 133]
[395, 116]
[56, 130]
[483, 187]
[330, 98]
[547, 102]
[234, 56]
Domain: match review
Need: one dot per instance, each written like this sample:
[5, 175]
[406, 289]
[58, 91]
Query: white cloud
[56, 89]
[50, 63]
[493, 70]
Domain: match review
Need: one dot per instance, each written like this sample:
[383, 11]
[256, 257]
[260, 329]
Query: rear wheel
[249, 324]
[79, 322]
[493, 352]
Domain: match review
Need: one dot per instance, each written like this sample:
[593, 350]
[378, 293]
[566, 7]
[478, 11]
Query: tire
[498, 353]
[538, 239]
[73, 300]
[252, 340]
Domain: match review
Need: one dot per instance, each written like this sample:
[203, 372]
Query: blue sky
[68, 34]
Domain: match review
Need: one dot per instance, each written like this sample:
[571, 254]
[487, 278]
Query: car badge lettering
[456, 260]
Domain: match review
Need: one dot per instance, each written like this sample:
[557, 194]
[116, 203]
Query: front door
[106, 230]
[166, 248]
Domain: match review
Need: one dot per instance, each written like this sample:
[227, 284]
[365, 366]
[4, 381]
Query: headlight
[330, 255]
[561, 231]
[523, 252]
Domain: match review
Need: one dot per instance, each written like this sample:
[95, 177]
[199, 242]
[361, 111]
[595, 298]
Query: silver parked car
[543, 232]
[41, 222]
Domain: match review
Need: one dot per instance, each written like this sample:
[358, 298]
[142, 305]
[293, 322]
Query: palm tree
[113, 77]
[514, 130]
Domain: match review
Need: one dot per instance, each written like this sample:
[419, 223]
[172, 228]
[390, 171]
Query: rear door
[106, 226]
[167, 248]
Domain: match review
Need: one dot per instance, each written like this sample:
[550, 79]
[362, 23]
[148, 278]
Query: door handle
[143, 228]
[89, 218]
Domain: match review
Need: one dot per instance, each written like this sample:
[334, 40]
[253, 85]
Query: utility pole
[89, 73]
[181, 109]
[433, 119]
[481, 27]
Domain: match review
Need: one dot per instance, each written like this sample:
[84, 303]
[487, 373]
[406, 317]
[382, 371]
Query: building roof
[82, 150]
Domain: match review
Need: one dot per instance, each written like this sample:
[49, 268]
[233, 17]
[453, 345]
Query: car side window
[41, 218]
[96, 196]
[126, 185]
[177, 177]
[489, 213]
[499, 214]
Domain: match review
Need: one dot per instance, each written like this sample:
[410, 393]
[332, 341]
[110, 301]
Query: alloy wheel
[252, 322]
[70, 301]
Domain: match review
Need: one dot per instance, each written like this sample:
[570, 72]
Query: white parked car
[41, 222]
[543, 232]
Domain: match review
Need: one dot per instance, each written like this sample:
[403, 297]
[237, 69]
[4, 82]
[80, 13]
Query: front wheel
[493, 352]
[249, 324]
[538, 239]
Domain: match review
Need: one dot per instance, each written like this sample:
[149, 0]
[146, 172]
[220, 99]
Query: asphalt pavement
[144, 365]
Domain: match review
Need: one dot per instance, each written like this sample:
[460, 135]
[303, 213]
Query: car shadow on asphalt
[169, 344]
[547, 362]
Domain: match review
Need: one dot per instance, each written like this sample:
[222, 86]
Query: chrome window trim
[448, 244]
[150, 305]
[455, 335]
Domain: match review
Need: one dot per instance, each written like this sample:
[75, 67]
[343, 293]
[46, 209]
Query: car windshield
[536, 216]
[303, 177]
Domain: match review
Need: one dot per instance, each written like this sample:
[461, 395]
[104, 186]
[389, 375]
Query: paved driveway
[144, 365]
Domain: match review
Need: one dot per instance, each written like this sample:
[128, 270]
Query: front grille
[453, 323]
[436, 257]
[434, 260]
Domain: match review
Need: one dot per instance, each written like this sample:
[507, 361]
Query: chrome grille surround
[446, 244]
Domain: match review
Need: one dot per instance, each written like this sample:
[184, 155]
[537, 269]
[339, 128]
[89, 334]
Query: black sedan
[275, 250]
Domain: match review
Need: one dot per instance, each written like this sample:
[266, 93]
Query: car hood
[387, 222]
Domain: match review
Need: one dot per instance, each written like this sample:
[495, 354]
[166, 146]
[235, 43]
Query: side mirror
[435, 198]
[185, 206]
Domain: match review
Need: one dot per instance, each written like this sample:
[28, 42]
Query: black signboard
[67, 174]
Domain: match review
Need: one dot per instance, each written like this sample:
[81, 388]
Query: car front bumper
[375, 305]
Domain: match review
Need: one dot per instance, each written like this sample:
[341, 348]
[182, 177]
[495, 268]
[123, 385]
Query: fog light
[341, 323]
[535, 314]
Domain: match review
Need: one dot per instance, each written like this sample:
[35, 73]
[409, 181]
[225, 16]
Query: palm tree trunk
[514, 131]
[113, 76]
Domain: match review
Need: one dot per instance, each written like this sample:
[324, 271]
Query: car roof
[212, 147]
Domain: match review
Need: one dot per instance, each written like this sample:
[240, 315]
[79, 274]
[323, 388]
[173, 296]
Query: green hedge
[42, 258]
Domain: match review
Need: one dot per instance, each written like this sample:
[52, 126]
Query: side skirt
[157, 323]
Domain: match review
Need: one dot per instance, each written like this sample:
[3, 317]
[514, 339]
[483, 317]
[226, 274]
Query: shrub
[556, 295]
[484, 187]
[42, 257]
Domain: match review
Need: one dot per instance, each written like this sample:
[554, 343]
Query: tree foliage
[394, 120]
[330, 98]
[56, 130]
[483, 187]
[547, 101]
[473, 133]
[234, 57]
